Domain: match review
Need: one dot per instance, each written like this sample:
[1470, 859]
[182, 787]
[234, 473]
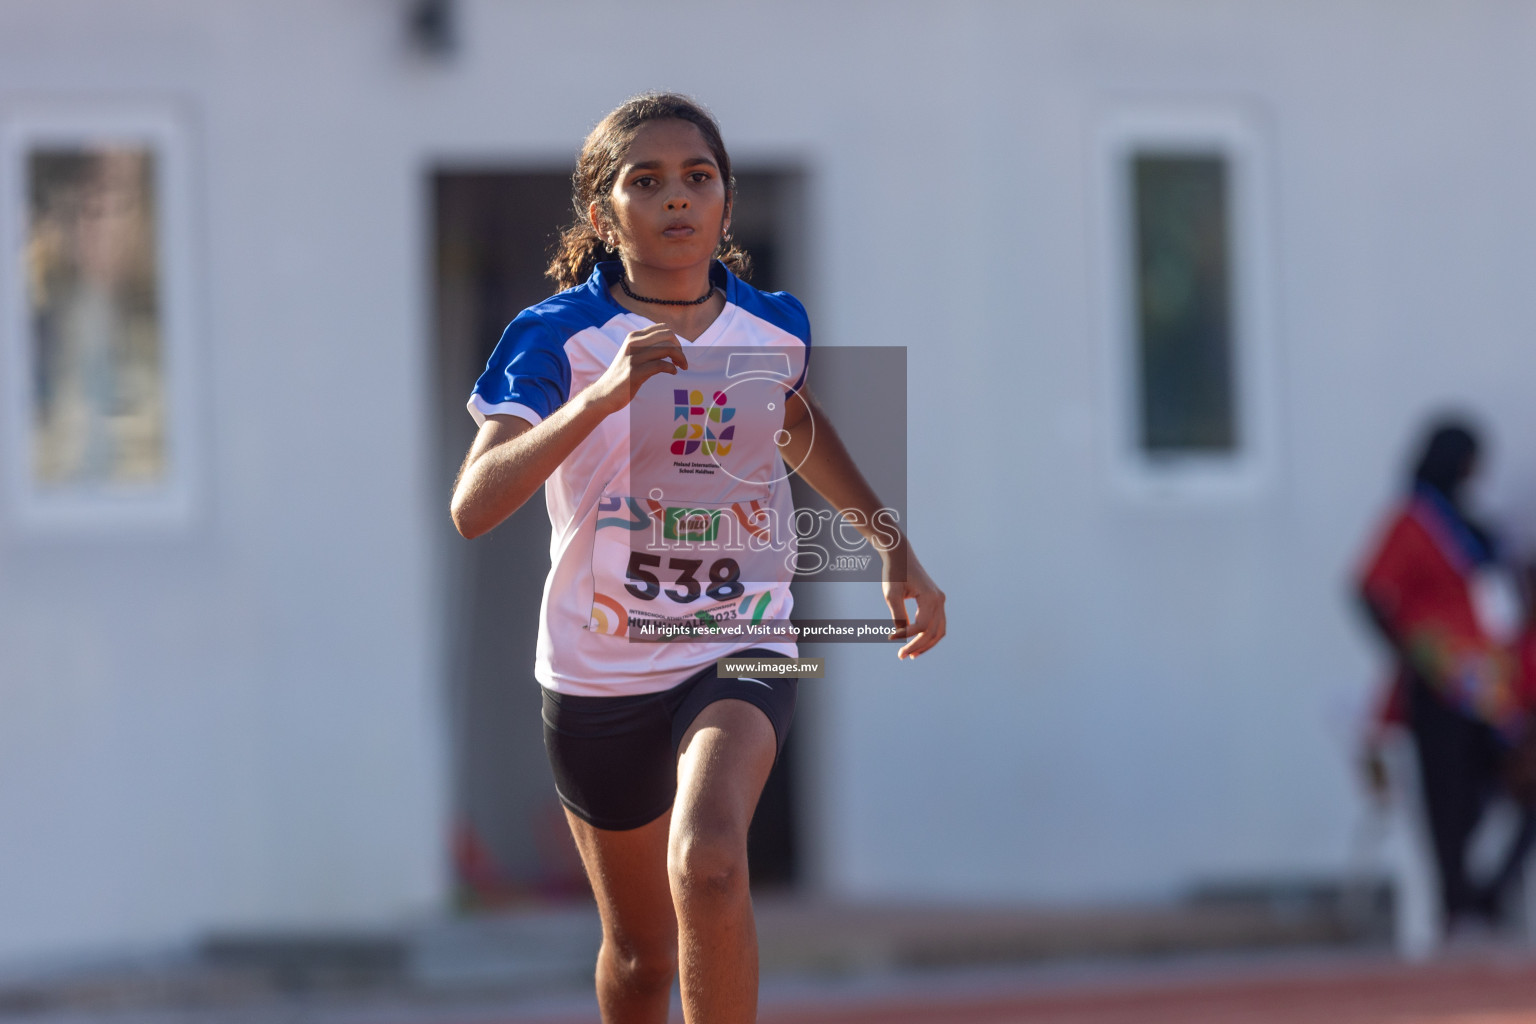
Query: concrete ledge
[541, 951]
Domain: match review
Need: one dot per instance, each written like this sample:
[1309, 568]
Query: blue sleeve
[528, 375]
[785, 312]
[800, 326]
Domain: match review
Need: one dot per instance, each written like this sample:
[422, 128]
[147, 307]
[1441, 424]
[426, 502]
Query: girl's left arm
[827, 467]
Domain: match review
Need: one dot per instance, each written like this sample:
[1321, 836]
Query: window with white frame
[96, 332]
[1188, 325]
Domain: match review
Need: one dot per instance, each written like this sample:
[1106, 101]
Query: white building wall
[238, 724]
[241, 724]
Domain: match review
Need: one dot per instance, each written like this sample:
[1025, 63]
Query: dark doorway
[493, 233]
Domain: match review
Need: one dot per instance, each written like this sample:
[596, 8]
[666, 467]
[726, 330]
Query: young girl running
[670, 509]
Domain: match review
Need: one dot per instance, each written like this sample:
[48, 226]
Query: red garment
[1419, 576]
[1419, 581]
[1525, 676]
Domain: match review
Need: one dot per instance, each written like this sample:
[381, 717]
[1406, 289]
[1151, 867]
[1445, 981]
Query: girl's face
[669, 200]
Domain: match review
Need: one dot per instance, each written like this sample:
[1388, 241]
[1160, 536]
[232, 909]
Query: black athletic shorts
[615, 758]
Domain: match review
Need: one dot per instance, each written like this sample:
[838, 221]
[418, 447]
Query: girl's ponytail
[736, 259]
[578, 251]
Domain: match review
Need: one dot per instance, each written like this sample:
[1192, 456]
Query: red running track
[1436, 994]
[1499, 990]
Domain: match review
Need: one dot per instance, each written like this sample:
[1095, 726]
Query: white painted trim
[1233, 133]
[479, 408]
[169, 504]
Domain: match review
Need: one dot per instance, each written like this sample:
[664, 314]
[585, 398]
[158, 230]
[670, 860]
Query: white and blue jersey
[674, 512]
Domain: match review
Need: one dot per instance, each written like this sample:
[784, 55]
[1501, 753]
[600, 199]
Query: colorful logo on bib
[704, 424]
[608, 616]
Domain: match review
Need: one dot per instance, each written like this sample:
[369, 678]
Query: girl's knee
[642, 968]
[708, 861]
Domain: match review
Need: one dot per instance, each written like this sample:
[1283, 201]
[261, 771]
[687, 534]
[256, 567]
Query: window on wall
[93, 306]
[1187, 317]
[1183, 305]
[97, 333]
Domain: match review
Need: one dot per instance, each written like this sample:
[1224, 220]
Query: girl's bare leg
[638, 958]
[722, 765]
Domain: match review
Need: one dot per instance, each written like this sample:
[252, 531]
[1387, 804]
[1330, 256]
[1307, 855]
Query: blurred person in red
[1455, 616]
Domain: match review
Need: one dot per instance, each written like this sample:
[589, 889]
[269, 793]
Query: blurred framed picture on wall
[96, 335]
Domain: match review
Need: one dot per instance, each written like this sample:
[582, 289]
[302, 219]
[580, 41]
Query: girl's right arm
[511, 458]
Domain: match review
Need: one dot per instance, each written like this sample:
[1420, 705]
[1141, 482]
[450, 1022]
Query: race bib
[664, 570]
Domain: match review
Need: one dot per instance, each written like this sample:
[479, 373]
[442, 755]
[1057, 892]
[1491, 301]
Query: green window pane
[1184, 305]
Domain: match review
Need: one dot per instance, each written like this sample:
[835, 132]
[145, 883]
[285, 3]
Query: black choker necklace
[624, 283]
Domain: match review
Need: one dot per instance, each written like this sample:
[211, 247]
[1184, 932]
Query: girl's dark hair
[579, 248]
[1448, 457]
